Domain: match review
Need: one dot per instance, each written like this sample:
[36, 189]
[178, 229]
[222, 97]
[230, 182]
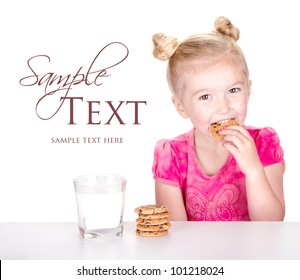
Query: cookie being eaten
[216, 127]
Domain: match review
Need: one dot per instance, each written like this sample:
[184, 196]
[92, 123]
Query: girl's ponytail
[164, 46]
[224, 27]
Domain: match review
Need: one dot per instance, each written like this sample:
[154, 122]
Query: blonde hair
[206, 47]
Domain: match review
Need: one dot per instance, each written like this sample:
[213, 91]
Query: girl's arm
[265, 193]
[264, 185]
[171, 197]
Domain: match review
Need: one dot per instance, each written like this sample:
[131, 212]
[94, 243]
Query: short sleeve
[268, 147]
[165, 165]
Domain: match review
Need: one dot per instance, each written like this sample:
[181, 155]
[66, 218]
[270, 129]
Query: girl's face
[216, 93]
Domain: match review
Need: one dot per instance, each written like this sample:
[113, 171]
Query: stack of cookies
[153, 220]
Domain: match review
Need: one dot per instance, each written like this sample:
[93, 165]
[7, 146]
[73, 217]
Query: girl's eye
[204, 97]
[234, 90]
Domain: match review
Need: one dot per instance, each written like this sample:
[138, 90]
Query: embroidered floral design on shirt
[220, 208]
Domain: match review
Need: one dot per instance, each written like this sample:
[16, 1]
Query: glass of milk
[100, 204]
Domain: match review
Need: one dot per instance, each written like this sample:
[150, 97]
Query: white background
[36, 175]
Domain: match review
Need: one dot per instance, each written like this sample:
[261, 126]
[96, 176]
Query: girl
[199, 177]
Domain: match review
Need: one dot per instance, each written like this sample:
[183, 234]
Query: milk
[98, 209]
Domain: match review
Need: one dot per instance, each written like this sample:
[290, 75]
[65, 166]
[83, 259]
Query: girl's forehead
[219, 73]
[190, 73]
[225, 61]
[216, 67]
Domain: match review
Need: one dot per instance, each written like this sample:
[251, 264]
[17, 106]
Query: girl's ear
[179, 107]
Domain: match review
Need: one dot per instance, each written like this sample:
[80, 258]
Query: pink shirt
[221, 197]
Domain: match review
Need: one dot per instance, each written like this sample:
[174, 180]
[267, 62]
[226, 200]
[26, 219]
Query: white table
[185, 241]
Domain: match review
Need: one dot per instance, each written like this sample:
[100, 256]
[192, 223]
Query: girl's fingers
[231, 132]
[230, 148]
[235, 128]
[237, 139]
[233, 135]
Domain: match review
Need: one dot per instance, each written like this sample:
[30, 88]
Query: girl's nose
[223, 106]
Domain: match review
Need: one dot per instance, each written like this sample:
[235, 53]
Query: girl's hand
[264, 186]
[241, 145]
